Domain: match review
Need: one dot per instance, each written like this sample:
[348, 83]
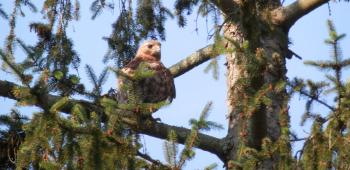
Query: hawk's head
[149, 50]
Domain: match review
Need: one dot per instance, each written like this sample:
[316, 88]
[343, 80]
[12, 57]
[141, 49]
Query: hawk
[145, 79]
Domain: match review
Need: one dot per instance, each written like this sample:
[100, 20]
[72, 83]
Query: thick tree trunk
[255, 69]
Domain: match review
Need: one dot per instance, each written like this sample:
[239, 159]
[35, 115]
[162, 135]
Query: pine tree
[98, 132]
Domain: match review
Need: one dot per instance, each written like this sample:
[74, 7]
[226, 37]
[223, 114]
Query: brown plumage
[157, 83]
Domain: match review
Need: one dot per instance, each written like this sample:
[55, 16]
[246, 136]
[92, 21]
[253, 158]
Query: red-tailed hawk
[145, 79]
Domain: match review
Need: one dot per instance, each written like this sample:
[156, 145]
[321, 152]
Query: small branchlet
[326, 147]
[188, 153]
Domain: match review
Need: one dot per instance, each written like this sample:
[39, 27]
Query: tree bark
[287, 16]
[255, 69]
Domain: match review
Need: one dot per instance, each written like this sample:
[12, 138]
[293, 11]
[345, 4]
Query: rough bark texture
[287, 16]
[251, 128]
[257, 31]
[200, 56]
[266, 49]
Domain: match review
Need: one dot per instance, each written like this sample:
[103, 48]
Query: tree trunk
[256, 102]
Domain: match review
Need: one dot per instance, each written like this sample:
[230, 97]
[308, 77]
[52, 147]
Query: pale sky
[195, 88]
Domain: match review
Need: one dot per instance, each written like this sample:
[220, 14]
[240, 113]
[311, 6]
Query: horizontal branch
[153, 128]
[6, 89]
[298, 139]
[287, 16]
[161, 130]
[193, 60]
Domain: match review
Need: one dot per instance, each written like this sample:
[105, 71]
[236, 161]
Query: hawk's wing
[157, 87]
[170, 84]
[130, 69]
[125, 80]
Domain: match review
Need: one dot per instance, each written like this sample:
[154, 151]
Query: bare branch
[298, 139]
[287, 16]
[193, 60]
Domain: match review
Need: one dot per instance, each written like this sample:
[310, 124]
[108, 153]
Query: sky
[195, 88]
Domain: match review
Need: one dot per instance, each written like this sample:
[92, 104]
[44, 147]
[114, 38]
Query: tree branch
[226, 6]
[317, 100]
[305, 93]
[151, 160]
[155, 129]
[287, 16]
[193, 60]
[161, 130]
[6, 88]
[151, 128]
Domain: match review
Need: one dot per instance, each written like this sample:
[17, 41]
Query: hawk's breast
[159, 86]
[153, 88]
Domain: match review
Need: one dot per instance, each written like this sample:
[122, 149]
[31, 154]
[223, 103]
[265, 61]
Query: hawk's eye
[150, 46]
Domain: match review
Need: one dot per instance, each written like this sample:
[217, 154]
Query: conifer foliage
[99, 137]
[97, 131]
[327, 146]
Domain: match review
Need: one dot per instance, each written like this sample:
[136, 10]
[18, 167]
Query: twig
[318, 100]
[298, 139]
[313, 98]
[149, 159]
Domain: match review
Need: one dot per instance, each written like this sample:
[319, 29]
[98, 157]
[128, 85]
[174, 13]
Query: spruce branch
[103, 77]
[214, 67]
[91, 74]
[287, 16]
[302, 91]
[171, 149]
[17, 69]
[192, 140]
[151, 128]
[97, 82]
[188, 153]
[3, 14]
[11, 139]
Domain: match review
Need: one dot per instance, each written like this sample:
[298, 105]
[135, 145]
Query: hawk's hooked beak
[157, 49]
[157, 52]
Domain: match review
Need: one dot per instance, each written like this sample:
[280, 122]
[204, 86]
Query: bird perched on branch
[145, 79]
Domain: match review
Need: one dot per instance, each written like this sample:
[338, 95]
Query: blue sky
[195, 88]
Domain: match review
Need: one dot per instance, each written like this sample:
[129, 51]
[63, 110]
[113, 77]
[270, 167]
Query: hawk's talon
[151, 109]
[137, 109]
